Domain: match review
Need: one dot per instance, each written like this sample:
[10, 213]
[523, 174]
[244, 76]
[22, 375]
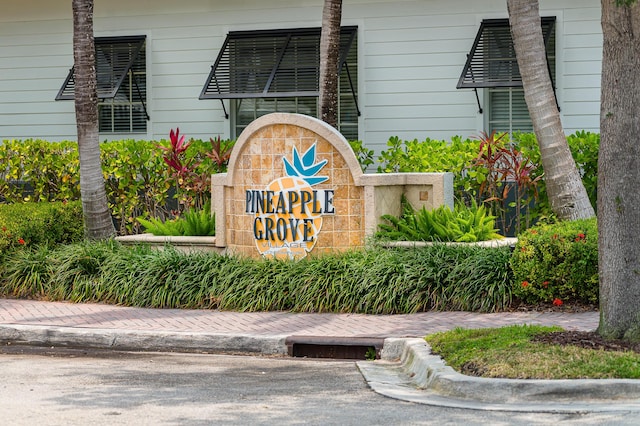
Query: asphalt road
[74, 387]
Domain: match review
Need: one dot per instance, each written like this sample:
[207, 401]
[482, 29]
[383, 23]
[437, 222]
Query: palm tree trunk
[567, 195]
[329, 58]
[97, 219]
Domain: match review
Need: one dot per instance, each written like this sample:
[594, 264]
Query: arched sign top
[263, 127]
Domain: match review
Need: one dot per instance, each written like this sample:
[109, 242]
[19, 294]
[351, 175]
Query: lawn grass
[509, 352]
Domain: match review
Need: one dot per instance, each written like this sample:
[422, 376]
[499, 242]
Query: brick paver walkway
[98, 316]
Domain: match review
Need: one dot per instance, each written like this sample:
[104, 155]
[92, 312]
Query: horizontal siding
[582, 68]
[411, 86]
[411, 54]
[574, 123]
[459, 97]
[411, 73]
[582, 81]
[421, 126]
[56, 132]
[583, 54]
[417, 112]
[582, 64]
[582, 94]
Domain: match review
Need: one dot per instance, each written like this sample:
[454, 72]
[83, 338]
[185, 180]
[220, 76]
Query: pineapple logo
[288, 212]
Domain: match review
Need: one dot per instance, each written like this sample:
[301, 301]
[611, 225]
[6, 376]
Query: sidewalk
[266, 333]
[29, 313]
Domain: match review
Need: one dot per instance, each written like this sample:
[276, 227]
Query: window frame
[222, 82]
[112, 73]
[285, 67]
[474, 73]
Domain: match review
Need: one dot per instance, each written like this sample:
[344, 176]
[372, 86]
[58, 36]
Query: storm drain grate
[334, 347]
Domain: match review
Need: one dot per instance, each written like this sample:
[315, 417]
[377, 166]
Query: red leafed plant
[174, 154]
[220, 153]
[191, 187]
[499, 163]
[189, 171]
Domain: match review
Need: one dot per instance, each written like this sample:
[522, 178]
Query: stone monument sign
[294, 187]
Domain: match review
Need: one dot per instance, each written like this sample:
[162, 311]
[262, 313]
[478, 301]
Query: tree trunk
[97, 219]
[619, 173]
[329, 59]
[567, 195]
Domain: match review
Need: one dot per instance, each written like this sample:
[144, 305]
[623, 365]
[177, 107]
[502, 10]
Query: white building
[404, 62]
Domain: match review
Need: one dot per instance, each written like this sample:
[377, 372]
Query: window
[121, 84]
[492, 65]
[278, 71]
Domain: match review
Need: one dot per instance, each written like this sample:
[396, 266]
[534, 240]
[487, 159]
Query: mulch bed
[588, 340]
[583, 339]
[548, 307]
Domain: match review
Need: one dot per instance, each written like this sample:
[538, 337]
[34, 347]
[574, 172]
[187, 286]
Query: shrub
[432, 155]
[135, 180]
[584, 147]
[557, 263]
[375, 280]
[363, 154]
[27, 224]
[136, 177]
[188, 170]
[38, 170]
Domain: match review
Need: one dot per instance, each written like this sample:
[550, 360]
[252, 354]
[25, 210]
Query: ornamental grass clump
[375, 280]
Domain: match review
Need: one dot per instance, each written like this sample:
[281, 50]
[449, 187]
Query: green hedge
[584, 148]
[558, 261]
[376, 281]
[137, 179]
[28, 224]
[49, 169]
[458, 155]
[138, 182]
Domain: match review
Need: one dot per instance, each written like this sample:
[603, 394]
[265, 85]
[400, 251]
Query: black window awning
[271, 64]
[114, 58]
[492, 60]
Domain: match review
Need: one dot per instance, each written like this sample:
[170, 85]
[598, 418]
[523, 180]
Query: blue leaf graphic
[297, 162]
[315, 180]
[291, 171]
[310, 156]
[310, 171]
[304, 167]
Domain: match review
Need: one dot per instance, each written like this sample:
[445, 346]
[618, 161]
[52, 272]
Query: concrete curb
[137, 340]
[421, 377]
[407, 369]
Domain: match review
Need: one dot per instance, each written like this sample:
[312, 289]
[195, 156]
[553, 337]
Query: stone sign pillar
[294, 187]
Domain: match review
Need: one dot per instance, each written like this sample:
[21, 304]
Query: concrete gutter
[409, 371]
[139, 340]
